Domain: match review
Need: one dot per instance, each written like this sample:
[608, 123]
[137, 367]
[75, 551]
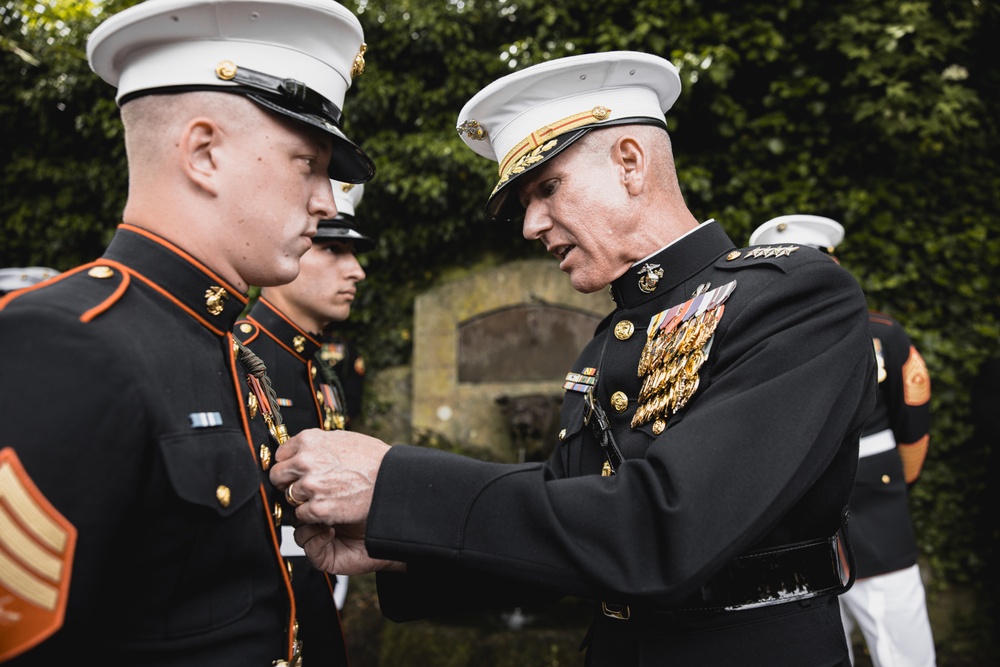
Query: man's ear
[198, 147]
[630, 154]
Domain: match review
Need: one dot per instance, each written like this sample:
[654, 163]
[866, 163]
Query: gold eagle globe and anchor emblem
[649, 277]
[358, 68]
[215, 298]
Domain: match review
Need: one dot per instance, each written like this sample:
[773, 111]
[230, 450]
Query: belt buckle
[619, 611]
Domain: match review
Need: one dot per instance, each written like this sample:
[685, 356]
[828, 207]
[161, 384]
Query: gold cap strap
[540, 136]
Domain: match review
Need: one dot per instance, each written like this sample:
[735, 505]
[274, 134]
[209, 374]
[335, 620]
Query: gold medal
[677, 344]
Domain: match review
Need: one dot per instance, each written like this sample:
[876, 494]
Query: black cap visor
[341, 229]
[503, 203]
[348, 163]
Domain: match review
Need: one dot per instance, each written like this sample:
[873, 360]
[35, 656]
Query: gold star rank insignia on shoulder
[677, 344]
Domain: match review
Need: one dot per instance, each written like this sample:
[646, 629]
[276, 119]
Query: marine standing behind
[138, 525]
[888, 602]
[703, 520]
[283, 329]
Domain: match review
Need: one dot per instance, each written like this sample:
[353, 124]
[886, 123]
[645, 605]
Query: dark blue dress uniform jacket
[881, 527]
[288, 353]
[763, 454]
[124, 402]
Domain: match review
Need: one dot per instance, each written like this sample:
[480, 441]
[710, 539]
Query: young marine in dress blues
[140, 526]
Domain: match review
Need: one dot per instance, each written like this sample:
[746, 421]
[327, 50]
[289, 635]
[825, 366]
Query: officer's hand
[340, 550]
[332, 472]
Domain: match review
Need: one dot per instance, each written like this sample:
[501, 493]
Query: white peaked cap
[294, 57]
[527, 117]
[347, 196]
[344, 225]
[801, 229]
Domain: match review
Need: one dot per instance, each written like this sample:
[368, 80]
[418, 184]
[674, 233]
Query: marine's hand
[340, 550]
[329, 475]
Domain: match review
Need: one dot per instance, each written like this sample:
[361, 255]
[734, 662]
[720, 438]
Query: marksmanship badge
[677, 344]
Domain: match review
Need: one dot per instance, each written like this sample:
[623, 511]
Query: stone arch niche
[495, 346]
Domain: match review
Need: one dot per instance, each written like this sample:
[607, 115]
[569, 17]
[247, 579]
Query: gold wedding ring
[292, 500]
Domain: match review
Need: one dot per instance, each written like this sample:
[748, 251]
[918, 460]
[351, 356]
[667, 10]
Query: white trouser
[891, 611]
[290, 548]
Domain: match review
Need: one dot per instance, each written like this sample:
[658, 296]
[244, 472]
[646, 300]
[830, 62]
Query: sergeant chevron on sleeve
[709, 432]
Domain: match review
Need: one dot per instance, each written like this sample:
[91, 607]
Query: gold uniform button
[885, 479]
[246, 328]
[312, 372]
[319, 397]
[101, 272]
[562, 434]
[624, 330]
[226, 70]
[658, 426]
[619, 401]
[735, 254]
[265, 457]
[223, 495]
[276, 513]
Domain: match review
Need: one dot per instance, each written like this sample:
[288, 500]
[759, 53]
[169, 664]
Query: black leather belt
[769, 577]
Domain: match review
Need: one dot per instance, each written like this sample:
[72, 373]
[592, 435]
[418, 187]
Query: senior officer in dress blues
[283, 329]
[887, 602]
[139, 526]
[709, 431]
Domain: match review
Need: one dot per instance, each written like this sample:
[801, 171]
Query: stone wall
[507, 331]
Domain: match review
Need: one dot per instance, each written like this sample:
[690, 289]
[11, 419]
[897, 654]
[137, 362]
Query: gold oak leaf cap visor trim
[525, 118]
